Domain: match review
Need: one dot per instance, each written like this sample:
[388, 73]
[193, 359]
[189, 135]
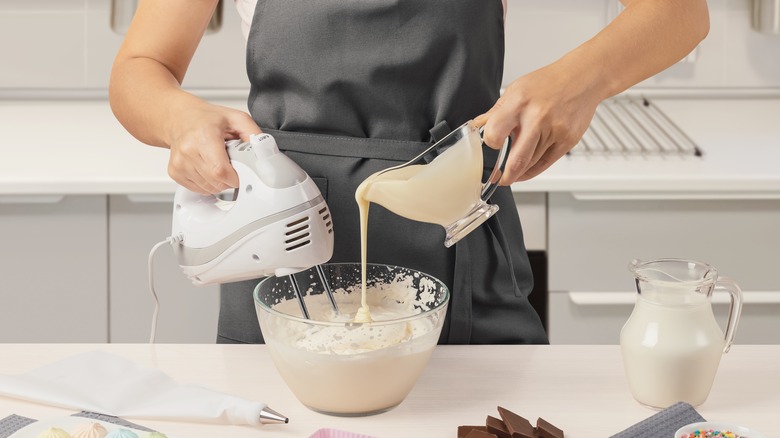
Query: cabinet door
[53, 269]
[592, 238]
[532, 208]
[188, 313]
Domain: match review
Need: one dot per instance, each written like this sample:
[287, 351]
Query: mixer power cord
[171, 240]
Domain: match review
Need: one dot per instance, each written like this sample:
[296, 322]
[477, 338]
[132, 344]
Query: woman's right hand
[146, 95]
[197, 136]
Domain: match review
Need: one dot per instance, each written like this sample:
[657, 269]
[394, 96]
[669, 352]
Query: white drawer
[53, 268]
[188, 313]
[591, 241]
[597, 317]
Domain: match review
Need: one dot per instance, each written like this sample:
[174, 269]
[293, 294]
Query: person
[348, 88]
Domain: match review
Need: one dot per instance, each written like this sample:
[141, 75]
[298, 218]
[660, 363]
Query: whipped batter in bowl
[337, 366]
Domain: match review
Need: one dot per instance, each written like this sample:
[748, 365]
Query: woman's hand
[198, 159]
[548, 110]
[546, 114]
[146, 95]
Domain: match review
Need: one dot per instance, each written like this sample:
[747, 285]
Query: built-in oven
[540, 294]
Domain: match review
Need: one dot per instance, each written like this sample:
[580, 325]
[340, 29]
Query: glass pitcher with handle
[448, 191]
[671, 343]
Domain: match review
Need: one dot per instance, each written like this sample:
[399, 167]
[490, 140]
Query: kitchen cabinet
[532, 209]
[74, 269]
[53, 268]
[593, 236]
[722, 208]
[188, 313]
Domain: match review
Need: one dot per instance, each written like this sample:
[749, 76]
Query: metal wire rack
[633, 126]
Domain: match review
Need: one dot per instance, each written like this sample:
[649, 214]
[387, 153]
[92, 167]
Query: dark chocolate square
[518, 426]
[476, 433]
[463, 431]
[546, 430]
[497, 427]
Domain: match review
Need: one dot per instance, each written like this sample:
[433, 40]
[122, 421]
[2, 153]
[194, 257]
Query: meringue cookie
[121, 433]
[90, 430]
[155, 435]
[54, 432]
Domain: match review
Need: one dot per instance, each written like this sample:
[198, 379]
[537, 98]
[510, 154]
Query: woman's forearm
[146, 107]
[146, 95]
[646, 38]
[145, 90]
[548, 110]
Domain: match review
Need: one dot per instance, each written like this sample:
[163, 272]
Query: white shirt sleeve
[246, 10]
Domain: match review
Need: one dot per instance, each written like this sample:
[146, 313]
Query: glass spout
[674, 275]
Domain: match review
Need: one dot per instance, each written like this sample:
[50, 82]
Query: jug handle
[730, 286]
[491, 184]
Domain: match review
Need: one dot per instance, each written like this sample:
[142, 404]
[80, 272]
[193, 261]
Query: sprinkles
[711, 433]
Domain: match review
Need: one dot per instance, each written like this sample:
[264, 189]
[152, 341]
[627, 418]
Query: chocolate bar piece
[497, 427]
[517, 426]
[546, 430]
[476, 433]
[463, 431]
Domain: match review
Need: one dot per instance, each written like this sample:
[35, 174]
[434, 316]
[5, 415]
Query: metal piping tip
[270, 416]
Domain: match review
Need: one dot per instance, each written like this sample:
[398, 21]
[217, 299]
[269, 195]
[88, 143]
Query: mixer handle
[491, 184]
[236, 150]
[257, 160]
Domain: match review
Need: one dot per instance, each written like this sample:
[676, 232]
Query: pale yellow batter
[441, 192]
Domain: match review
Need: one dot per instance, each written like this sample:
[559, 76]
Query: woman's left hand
[546, 112]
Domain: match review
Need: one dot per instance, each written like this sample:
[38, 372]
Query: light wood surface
[581, 389]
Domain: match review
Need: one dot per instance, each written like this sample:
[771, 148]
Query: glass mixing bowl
[336, 366]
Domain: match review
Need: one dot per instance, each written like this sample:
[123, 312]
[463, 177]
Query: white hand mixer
[277, 223]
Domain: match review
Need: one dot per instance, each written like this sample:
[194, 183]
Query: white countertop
[739, 139]
[78, 147]
[581, 389]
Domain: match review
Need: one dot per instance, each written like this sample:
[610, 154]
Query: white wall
[733, 55]
[69, 44]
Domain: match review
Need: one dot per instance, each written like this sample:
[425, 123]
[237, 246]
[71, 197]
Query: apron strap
[439, 131]
[460, 318]
[356, 147]
[498, 232]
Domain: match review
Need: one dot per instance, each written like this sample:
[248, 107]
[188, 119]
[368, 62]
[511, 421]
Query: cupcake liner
[335, 433]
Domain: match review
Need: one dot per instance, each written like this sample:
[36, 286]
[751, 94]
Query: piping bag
[104, 383]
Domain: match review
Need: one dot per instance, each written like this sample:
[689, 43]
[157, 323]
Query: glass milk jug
[447, 191]
[671, 343]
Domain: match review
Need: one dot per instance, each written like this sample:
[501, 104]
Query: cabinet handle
[602, 298]
[673, 196]
[629, 298]
[165, 198]
[31, 199]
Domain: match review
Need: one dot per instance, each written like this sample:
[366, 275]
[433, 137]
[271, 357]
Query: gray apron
[350, 87]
